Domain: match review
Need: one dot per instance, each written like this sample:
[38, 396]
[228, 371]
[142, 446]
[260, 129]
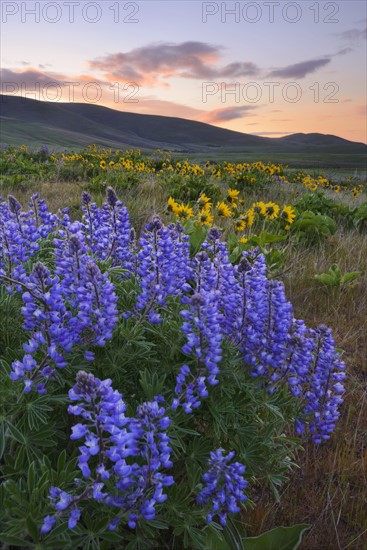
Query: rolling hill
[72, 125]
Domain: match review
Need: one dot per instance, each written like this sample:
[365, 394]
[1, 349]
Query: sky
[268, 68]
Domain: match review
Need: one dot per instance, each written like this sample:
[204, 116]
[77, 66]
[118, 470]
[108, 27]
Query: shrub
[146, 391]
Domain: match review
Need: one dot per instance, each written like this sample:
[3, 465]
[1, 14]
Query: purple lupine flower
[19, 238]
[48, 523]
[90, 293]
[223, 486]
[109, 230]
[226, 283]
[324, 389]
[249, 326]
[203, 332]
[74, 517]
[45, 222]
[77, 306]
[299, 357]
[97, 304]
[278, 323]
[111, 443]
[160, 273]
[71, 255]
[44, 311]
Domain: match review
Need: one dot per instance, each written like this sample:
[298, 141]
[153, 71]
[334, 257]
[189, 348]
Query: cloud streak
[216, 116]
[300, 70]
[352, 36]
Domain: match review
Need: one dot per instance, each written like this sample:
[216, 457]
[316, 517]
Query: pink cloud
[152, 65]
[216, 116]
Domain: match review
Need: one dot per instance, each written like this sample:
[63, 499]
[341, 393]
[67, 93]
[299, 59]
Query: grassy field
[329, 489]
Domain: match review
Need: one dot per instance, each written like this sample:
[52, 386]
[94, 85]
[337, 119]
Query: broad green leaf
[280, 538]
[197, 237]
[349, 277]
[326, 279]
[265, 238]
[215, 541]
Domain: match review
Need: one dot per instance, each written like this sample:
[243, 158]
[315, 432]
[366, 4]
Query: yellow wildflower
[232, 196]
[184, 212]
[239, 225]
[173, 206]
[205, 217]
[288, 214]
[271, 210]
[204, 201]
[259, 208]
[223, 210]
[243, 240]
[102, 164]
[249, 217]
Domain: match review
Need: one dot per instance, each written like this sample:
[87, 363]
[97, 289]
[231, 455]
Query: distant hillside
[76, 125]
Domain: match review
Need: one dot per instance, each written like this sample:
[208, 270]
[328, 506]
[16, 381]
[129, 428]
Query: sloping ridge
[80, 123]
[101, 123]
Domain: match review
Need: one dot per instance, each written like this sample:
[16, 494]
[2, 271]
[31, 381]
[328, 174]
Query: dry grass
[143, 200]
[329, 490]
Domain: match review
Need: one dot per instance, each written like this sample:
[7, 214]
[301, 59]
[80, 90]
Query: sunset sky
[266, 68]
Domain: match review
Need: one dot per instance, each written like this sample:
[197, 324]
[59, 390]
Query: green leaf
[326, 279]
[16, 434]
[61, 461]
[2, 439]
[214, 540]
[266, 238]
[32, 528]
[280, 538]
[16, 541]
[235, 254]
[59, 530]
[31, 477]
[111, 537]
[197, 237]
[349, 277]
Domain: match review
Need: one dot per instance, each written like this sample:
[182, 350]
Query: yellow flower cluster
[161, 164]
[246, 173]
[183, 169]
[204, 213]
[313, 184]
[111, 160]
